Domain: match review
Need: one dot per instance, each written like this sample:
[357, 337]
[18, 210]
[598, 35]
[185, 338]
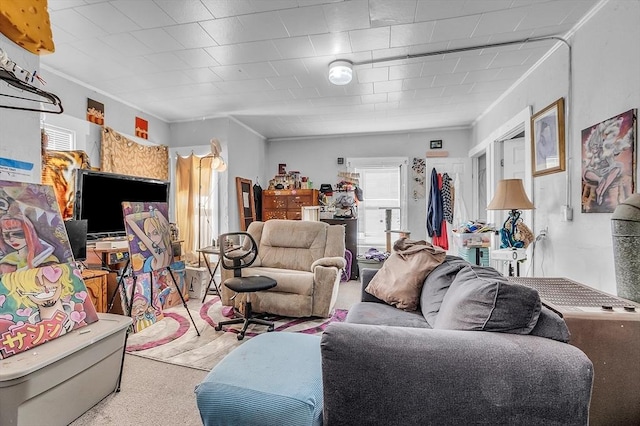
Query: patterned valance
[124, 156]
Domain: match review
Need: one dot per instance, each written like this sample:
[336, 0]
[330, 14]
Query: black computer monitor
[77, 232]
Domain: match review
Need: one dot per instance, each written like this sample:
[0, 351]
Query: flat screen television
[99, 197]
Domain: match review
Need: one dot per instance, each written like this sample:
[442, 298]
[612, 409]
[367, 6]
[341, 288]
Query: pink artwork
[145, 306]
[42, 293]
[41, 304]
[149, 236]
[608, 163]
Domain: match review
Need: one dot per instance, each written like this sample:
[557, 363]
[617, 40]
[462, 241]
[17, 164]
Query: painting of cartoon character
[608, 167]
[40, 304]
[149, 236]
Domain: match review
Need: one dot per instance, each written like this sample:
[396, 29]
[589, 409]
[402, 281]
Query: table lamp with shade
[510, 195]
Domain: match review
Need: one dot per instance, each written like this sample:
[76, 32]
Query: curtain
[124, 156]
[193, 196]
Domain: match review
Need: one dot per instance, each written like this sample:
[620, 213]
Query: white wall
[117, 114]
[606, 66]
[19, 130]
[317, 158]
[243, 150]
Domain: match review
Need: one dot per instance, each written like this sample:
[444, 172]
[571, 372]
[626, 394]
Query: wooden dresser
[96, 282]
[287, 203]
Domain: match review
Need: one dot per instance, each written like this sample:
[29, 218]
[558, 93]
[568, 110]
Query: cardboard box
[197, 280]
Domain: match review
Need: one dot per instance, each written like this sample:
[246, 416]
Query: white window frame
[59, 138]
[354, 165]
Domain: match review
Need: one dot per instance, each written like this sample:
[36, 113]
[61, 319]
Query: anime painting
[149, 236]
[145, 306]
[608, 163]
[33, 233]
[41, 304]
[163, 284]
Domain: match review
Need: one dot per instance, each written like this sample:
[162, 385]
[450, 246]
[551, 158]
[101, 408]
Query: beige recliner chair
[305, 258]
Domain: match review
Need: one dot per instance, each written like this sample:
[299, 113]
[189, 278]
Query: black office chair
[239, 250]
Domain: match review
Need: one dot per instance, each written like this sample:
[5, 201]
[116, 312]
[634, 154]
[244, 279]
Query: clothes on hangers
[441, 239]
[447, 202]
[434, 208]
[257, 200]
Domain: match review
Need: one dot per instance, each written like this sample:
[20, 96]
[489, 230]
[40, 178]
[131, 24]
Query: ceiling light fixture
[340, 72]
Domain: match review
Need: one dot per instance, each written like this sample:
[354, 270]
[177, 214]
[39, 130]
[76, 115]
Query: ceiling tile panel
[287, 67]
[259, 70]
[196, 58]
[289, 82]
[157, 39]
[455, 28]
[203, 75]
[331, 43]
[294, 47]
[505, 21]
[185, 11]
[372, 74]
[410, 34]
[107, 17]
[168, 61]
[262, 26]
[145, 13]
[245, 53]
[371, 39]
[75, 24]
[127, 44]
[385, 13]
[191, 36]
[304, 21]
[347, 16]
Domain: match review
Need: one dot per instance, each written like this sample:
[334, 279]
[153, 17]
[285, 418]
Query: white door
[459, 170]
[514, 159]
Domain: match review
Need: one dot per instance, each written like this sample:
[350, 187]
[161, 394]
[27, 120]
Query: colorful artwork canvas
[95, 111]
[33, 232]
[142, 128]
[41, 304]
[163, 284]
[608, 163]
[58, 170]
[145, 309]
[149, 235]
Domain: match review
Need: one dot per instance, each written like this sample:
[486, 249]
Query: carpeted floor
[161, 393]
[174, 340]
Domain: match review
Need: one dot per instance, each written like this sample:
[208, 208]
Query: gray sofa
[478, 350]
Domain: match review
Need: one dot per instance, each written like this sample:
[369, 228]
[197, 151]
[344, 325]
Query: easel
[129, 304]
[152, 217]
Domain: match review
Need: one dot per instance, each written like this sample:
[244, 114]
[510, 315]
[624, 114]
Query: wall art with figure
[608, 163]
[40, 304]
[145, 306]
[149, 235]
[42, 293]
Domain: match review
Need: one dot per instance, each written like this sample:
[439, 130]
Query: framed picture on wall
[547, 140]
[608, 163]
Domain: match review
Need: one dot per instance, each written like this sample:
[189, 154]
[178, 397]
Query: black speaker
[77, 233]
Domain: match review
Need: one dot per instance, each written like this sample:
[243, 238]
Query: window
[383, 182]
[60, 139]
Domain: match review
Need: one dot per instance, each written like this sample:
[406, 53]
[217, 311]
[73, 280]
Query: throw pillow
[400, 279]
[436, 285]
[481, 299]
[551, 326]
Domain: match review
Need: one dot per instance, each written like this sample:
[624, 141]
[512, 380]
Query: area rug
[174, 340]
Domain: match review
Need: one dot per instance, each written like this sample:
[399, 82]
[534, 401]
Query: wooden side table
[96, 282]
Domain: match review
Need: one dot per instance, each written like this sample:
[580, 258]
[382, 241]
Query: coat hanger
[45, 97]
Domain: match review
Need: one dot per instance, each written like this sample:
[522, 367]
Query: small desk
[204, 253]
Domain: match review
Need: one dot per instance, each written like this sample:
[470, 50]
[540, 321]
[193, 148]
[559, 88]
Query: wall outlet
[567, 213]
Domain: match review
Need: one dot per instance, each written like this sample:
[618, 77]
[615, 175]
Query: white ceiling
[265, 62]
